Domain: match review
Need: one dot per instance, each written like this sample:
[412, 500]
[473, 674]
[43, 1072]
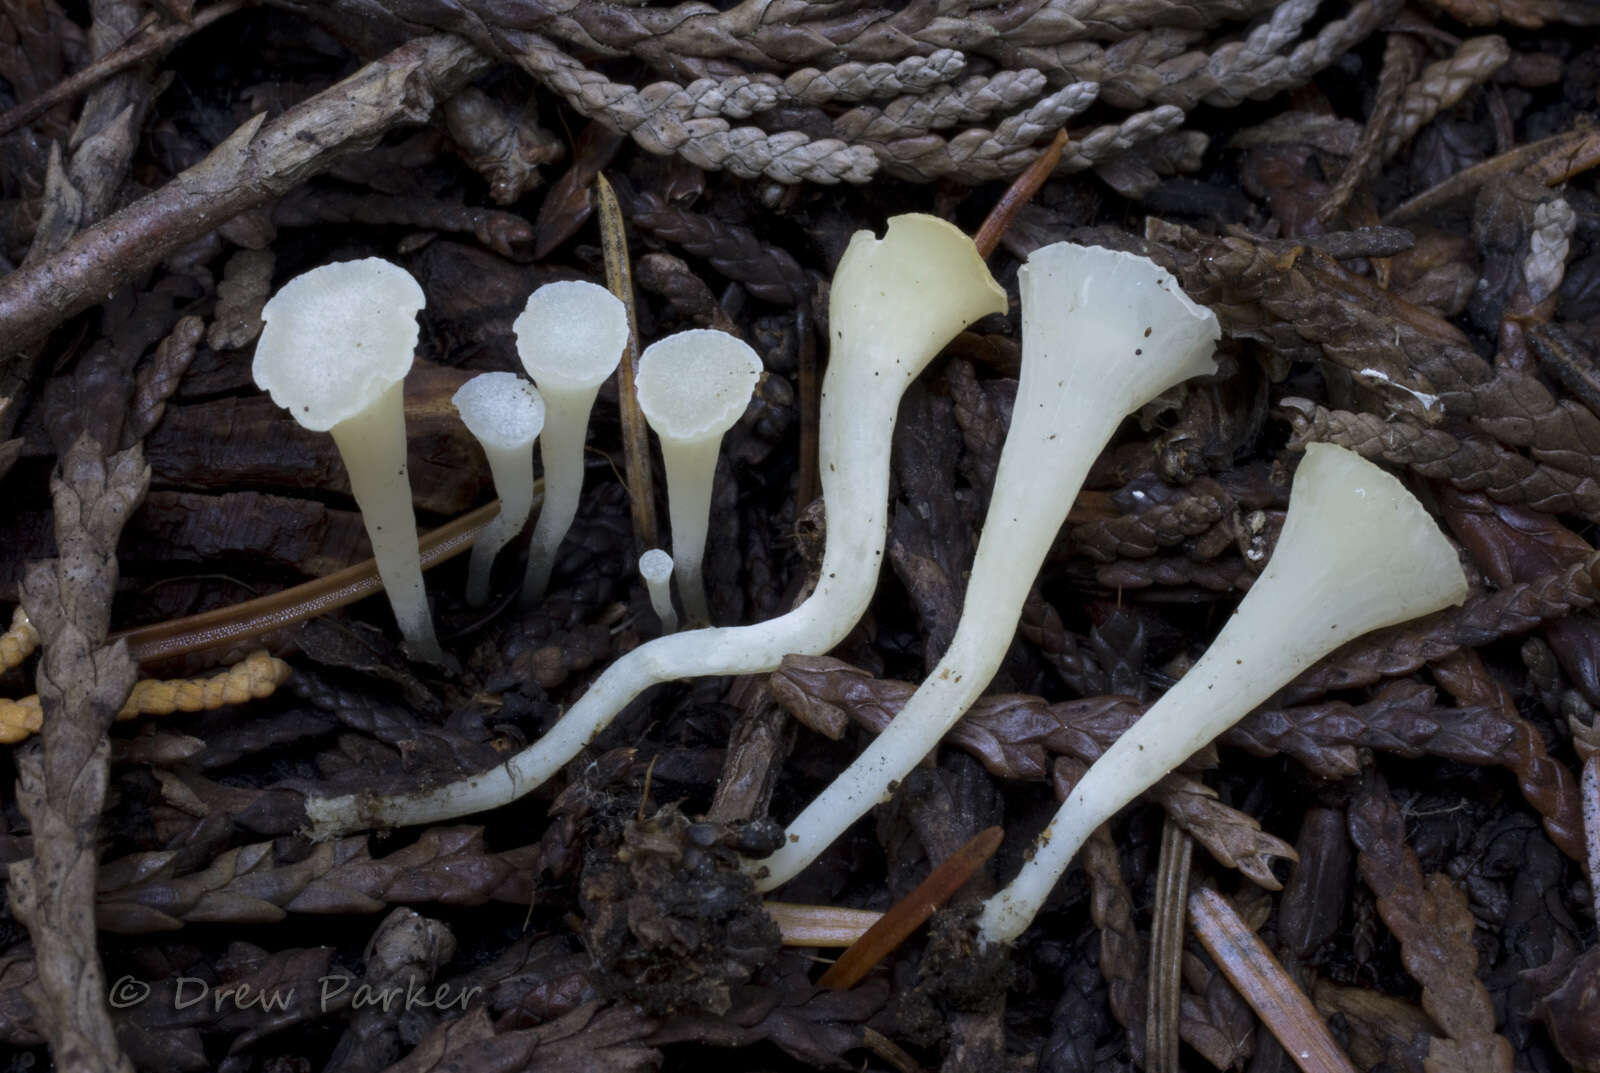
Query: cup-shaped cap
[501, 410]
[1145, 334]
[655, 566]
[335, 338]
[570, 336]
[1363, 545]
[912, 290]
[695, 384]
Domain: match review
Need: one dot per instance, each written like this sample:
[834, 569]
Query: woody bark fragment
[62, 779]
[258, 162]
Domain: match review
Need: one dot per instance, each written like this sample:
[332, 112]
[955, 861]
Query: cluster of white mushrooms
[1103, 334]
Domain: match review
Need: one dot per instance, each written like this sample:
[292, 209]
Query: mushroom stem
[691, 468]
[692, 387]
[566, 428]
[1357, 553]
[512, 470]
[1103, 333]
[895, 302]
[570, 337]
[655, 566]
[505, 414]
[369, 443]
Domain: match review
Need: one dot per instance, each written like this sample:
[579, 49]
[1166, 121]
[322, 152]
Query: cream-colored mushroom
[504, 413]
[337, 342]
[570, 338]
[895, 302]
[1357, 553]
[1103, 333]
[692, 387]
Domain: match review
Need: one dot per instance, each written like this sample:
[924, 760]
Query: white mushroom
[1103, 333]
[337, 343]
[895, 302]
[655, 566]
[1357, 553]
[570, 338]
[504, 413]
[692, 387]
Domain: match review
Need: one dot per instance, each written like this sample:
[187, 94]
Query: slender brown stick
[907, 915]
[152, 42]
[1270, 991]
[1164, 991]
[1022, 190]
[820, 925]
[252, 618]
[635, 440]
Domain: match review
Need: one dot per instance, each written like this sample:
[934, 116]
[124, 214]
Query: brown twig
[152, 42]
[820, 925]
[907, 915]
[1551, 160]
[1017, 195]
[1165, 990]
[1251, 968]
[248, 620]
[256, 163]
[635, 439]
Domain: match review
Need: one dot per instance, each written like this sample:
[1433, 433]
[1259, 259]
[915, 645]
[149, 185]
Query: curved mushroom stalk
[1103, 333]
[337, 342]
[570, 338]
[504, 413]
[895, 302]
[692, 387]
[1357, 553]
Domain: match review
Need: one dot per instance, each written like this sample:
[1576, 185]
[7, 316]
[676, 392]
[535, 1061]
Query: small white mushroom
[895, 302]
[1103, 333]
[692, 387]
[337, 342]
[1357, 553]
[570, 338]
[504, 413]
[655, 566]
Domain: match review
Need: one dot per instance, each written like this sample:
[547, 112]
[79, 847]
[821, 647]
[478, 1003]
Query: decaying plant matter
[1390, 209]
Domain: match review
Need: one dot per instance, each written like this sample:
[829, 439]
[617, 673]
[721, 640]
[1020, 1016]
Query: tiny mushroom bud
[655, 566]
[504, 413]
[692, 387]
[570, 338]
[1103, 333]
[895, 302]
[1357, 553]
[337, 343]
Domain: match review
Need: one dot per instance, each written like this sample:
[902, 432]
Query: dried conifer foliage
[1393, 212]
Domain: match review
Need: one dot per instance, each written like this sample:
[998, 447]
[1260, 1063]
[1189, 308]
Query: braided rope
[865, 81]
[666, 118]
[1441, 85]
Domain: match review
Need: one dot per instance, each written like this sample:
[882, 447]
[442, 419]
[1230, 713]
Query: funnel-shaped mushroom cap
[1090, 300]
[918, 286]
[335, 338]
[1363, 550]
[501, 410]
[695, 384]
[571, 335]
